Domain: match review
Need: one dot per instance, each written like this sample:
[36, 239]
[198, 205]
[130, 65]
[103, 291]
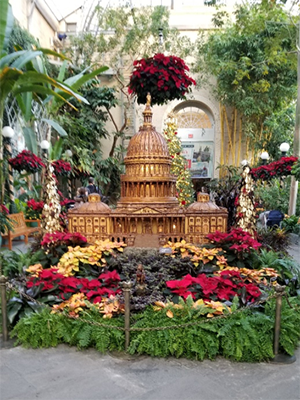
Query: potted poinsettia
[34, 211]
[164, 77]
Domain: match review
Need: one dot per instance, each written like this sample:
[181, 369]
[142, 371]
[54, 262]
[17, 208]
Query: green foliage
[14, 262]
[255, 63]
[86, 127]
[290, 323]
[22, 38]
[132, 34]
[20, 306]
[273, 238]
[243, 336]
[278, 128]
[274, 195]
[291, 224]
[288, 269]
[197, 342]
[48, 330]
[296, 170]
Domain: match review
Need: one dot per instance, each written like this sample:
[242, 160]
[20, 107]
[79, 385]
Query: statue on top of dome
[148, 97]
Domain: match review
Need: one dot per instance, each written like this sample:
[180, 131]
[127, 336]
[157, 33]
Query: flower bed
[214, 306]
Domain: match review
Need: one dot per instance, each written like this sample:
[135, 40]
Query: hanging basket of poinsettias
[27, 161]
[164, 77]
[61, 167]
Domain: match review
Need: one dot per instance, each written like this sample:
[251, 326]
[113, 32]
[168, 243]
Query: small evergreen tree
[184, 184]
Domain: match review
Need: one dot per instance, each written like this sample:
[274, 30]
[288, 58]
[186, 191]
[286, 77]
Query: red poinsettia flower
[164, 77]
[278, 168]
[61, 167]
[26, 161]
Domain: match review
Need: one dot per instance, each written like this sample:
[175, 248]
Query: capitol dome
[148, 177]
[203, 203]
[94, 205]
[147, 143]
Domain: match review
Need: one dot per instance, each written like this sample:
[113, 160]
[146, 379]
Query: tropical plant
[14, 263]
[275, 194]
[288, 269]
[291, 224]
[86, 128]
[23, 76]
[5, 222]
[246, 57]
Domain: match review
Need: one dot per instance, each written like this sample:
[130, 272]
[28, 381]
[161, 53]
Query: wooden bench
[20, 229]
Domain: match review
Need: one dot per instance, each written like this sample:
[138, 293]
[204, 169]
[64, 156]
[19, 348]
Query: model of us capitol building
[148, 214]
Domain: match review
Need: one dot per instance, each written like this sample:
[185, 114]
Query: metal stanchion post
[280, 358]
[126, 290]
[4, 307]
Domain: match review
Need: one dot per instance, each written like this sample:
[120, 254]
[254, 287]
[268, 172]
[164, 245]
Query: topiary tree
[184, 184]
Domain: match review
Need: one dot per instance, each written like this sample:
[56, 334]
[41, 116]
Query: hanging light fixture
[264, 157]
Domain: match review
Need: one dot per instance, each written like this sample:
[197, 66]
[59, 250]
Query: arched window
[196, 130]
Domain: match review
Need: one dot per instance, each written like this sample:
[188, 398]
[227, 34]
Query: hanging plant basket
[164, 77]
[61, 167]
[27, 161]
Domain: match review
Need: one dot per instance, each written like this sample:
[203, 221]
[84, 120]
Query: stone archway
[196, 129]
